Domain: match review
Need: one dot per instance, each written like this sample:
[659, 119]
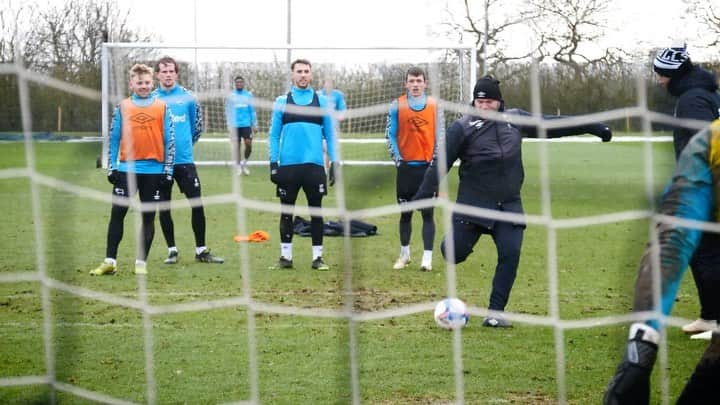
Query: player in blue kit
[242, 120]
[188, 121]
[299, 125]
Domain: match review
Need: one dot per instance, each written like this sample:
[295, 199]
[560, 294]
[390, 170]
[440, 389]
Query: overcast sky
[632, 24]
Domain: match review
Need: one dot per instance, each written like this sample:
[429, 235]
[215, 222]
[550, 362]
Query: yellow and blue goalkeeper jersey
[693, 195]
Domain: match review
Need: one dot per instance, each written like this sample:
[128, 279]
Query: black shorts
[147, 185]
[408, 181]
[310, 177]
[243, 133]
[187, 179]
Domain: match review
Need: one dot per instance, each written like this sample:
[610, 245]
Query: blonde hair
[140, 69]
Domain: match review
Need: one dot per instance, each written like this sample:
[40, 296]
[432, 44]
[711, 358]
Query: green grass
[202, 357]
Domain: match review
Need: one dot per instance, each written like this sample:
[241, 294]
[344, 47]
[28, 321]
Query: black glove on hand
[331, 174]
[631, 382]
[113, 176]
[274, 172]
[605, 134]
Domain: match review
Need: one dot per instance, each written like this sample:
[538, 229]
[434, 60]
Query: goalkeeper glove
[113, 176]
[331, 174]
[274, 169]
[604, 133]
[631, 382]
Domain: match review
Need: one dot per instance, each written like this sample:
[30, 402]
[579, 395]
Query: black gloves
[274, 172]
[113, 177]
[631, 383]
[605, 134]
[331, 174]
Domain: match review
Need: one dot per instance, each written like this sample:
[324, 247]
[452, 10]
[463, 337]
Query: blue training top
[336, 99]
[187, 118]
[300, 139]
[239, 109]
[146, 166]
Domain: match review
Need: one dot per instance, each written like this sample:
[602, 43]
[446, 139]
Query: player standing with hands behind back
[188, 121]
[141, 156]
[410, 133]
[300, 123]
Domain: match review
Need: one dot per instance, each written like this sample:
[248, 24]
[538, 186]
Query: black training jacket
[697, 99]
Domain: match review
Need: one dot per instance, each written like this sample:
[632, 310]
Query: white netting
[368, 115]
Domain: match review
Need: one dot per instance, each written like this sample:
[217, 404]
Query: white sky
[633, 25]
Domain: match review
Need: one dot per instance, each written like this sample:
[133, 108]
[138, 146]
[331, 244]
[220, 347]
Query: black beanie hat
[487, 87]
[672, 62]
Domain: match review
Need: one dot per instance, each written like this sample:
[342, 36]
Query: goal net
[370, 78]
[359, 333]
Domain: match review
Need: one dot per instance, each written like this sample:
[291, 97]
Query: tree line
[65, 42]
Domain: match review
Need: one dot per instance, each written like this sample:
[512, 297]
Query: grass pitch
[203, 356]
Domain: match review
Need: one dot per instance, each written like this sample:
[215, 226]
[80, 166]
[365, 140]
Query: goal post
[370, 78]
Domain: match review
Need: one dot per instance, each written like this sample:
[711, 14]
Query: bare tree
[569, 28]
[708, 14]
[485, 23]
[13, 37]
[73, 34]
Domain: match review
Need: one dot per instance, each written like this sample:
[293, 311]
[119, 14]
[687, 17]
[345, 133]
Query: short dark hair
[301, 61]
[166, 60]
[415, 71]
[238, 77]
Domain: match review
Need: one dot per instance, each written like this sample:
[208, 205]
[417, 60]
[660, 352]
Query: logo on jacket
[476, 123]
[141, 118]
[418, 122]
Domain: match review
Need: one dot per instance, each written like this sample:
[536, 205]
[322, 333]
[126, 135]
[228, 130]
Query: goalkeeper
[491, 177]
[141, 157]
[692, 194]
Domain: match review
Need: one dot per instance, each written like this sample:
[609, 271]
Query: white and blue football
[451, 313]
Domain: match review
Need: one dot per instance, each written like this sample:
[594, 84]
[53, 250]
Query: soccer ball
[451, 313]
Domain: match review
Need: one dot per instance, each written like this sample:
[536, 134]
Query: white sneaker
[401, 262]
[245, 170]
[699, 325]
[707, 335]
[426, 267]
